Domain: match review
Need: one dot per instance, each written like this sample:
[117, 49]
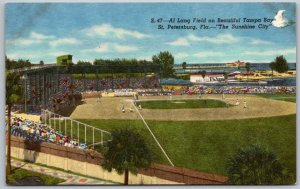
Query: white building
[208, 78]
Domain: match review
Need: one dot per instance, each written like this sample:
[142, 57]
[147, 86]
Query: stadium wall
[87, 163]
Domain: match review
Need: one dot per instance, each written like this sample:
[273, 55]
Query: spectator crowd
[38, 132]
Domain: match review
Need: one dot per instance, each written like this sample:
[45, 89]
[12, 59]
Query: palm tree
[256, 165]
[127, 152]
[13, 95]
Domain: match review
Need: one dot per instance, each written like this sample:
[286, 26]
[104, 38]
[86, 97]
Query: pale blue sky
[88, 31]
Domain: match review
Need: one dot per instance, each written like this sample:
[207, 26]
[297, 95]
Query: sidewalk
[70, 179]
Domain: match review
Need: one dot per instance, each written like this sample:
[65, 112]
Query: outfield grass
[181, 104]
[110, 125]
[284, 97]
[206, 145]
[19, 173]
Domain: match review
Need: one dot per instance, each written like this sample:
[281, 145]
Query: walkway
[70, 179]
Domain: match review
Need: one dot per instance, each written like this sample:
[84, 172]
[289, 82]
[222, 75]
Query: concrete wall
[86, 163]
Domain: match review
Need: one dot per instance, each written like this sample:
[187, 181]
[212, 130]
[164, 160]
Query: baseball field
[200, 135]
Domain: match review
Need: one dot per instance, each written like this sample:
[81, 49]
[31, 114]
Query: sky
[42, 31]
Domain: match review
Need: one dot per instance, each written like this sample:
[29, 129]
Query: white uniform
[245, 104]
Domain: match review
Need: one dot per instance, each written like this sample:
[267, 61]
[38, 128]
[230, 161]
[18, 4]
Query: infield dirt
[110, 108]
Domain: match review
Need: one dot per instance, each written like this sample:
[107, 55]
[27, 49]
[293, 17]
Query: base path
[70, 179]
[110, 108]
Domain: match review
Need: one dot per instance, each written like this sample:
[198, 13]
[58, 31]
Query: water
[253, 67]
[276, 82]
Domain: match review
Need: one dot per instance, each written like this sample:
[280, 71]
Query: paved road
[70, 179]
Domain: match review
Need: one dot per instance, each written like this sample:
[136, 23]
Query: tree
[256, 165]
[13, 95]
[13, 64]
[83, 63]
[122, 61]
[247, 66]
[272, 66]
[42, 62]
[280, 65]
[127, 152]
[166, 60]
[184, 65]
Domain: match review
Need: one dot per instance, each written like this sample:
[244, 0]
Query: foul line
[153, 136]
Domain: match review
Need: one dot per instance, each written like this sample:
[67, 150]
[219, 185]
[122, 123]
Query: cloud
[202, 54]
[34, 38]
[64, 41]
[208, 54]
[22, 42]
[271, 52]
[40, 37]
[58, 53]
[124, 48]
[147, 57]
[259, 42]
[181, 55]
[219, 39]
[179, 42]
[279, 20]
[107, 29]
[112, 47]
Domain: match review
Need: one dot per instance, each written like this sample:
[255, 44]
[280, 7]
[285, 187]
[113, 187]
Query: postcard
[150, 93]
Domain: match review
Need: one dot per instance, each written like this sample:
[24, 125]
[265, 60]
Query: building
[236, 64]
[207, 78]
[64, 60]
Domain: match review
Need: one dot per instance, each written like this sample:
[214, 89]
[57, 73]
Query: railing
[62, 124]
[33, 67]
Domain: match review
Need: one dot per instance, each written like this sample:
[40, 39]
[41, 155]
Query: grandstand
[60, 130]
[54, 87]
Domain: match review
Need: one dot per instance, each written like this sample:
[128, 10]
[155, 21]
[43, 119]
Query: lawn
[284, 97]
[110, 125]
[181, 104]
[206, 145]
[19, 173]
